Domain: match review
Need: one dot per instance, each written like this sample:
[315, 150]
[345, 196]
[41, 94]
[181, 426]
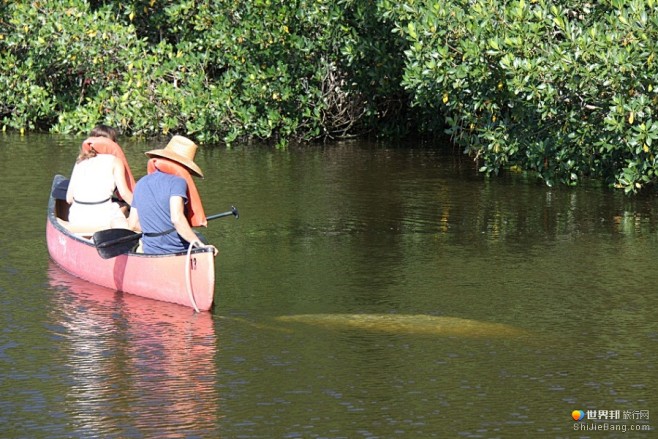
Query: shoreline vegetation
[561, 90]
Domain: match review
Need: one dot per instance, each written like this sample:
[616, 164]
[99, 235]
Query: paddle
[114, 242]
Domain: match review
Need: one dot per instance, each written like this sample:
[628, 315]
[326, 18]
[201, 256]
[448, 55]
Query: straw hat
[181, 150]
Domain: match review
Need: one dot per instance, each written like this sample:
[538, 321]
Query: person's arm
[177, 209]
[133, 220]
[120, 179]
[69, 194]
[70, 189]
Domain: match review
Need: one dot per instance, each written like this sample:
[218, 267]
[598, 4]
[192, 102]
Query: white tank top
[94, 179]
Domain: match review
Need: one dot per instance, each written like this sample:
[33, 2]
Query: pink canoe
[180, 278]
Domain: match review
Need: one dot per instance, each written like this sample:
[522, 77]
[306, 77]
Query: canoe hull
[170, 278]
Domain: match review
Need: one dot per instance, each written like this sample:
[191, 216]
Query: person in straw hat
[166, 203]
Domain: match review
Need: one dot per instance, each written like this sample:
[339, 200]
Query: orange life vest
[194, 212]
[103, 145]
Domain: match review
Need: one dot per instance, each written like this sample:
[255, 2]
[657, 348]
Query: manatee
[407, 324]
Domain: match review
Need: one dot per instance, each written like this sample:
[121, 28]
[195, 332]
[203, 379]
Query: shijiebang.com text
[606, 426]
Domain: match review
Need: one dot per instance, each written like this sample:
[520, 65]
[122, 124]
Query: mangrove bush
[563, 89]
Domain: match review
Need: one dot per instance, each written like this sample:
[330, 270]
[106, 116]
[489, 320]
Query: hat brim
[189, 164]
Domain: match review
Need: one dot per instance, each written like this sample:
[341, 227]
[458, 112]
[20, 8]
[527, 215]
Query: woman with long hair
[100, 169]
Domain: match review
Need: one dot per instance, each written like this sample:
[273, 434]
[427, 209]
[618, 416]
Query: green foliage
[216, 70]
[562, 89]
[565, 89]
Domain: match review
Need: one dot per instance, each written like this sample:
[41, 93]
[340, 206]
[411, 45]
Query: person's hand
[214, 249]
[199, 244]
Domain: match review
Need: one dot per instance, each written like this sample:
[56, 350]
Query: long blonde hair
[86, 154]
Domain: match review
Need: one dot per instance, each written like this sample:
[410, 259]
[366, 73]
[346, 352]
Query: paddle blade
[114, 242]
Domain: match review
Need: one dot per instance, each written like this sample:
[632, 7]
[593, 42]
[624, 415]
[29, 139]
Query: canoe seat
[81, 231]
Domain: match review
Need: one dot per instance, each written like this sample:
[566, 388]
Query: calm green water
[367, 291]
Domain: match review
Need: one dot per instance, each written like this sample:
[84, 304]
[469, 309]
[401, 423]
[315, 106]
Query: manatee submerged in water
[407, 324]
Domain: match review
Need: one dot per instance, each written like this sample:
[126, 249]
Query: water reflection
[142, 366]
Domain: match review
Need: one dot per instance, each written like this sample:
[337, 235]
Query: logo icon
[577, 415]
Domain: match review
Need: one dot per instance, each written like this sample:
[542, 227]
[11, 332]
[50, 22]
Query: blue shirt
[151, 199]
